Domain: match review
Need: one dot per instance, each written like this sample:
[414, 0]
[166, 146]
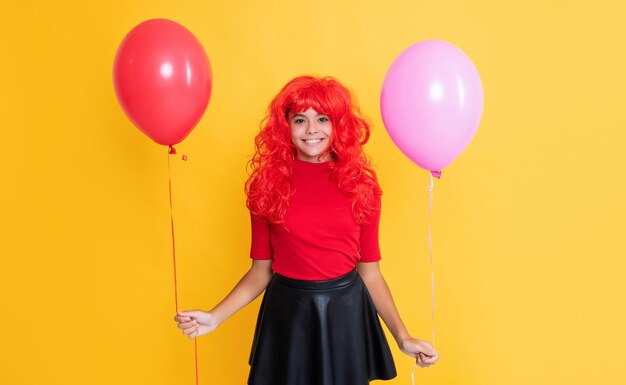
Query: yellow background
[528, 222]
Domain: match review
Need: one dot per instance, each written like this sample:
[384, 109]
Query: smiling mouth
[312, 141]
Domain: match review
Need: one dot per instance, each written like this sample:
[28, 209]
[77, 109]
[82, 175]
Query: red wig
[269, 187]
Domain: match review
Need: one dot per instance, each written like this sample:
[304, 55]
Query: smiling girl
[314, 202]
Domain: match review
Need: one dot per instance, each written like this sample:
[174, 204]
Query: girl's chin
[314, 157]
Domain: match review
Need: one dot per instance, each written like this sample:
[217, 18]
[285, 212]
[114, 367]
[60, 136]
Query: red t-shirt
[319, 238]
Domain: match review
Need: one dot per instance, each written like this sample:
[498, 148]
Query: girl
[314, 202]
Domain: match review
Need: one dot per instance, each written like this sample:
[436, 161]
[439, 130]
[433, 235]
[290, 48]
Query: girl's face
[310, 133]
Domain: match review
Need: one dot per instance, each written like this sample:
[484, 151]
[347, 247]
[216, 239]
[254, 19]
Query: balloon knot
[185, 158]
[436, 174]
[172, 150]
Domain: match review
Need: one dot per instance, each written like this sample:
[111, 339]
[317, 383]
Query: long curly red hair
[269, 187]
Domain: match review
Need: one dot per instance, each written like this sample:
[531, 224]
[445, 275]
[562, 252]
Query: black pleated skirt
[319, 333]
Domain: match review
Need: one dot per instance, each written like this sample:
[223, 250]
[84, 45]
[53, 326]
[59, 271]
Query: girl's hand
[195, 323]
[424, 353]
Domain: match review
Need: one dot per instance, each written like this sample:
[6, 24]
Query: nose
[311, 128]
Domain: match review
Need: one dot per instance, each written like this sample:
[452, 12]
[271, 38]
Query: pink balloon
[162, 79]
[432, 103]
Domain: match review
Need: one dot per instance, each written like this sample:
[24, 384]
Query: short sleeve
[370, 249]
[260, 245]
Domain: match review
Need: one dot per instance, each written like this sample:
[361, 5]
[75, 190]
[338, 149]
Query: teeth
[312, 141]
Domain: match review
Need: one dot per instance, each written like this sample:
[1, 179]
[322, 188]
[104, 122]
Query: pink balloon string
[430, 250]
[172, 151]
[432, 270]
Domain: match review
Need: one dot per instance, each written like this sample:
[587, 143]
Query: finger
[195, 333]
[418, 360]
[432, 360]
[186, 325]
[180, 318]
[189, 313]
[425, 360]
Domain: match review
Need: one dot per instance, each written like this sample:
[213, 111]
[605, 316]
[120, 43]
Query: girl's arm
[423, 351]
[195, 323]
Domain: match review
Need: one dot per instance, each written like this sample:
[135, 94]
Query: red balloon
[162, 79]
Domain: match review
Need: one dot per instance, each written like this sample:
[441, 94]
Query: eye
[323, 119]
[298, 121]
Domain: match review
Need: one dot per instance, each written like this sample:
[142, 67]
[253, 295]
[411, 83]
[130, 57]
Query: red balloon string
[169, 177]
[195, 344]
[172, 151]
